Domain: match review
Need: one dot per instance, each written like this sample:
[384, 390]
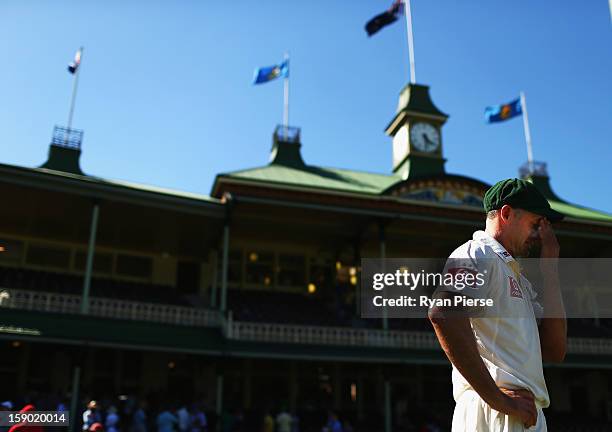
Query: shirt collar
[483, 237]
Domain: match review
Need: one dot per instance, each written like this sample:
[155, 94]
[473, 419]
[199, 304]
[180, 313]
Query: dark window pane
[260, 268]
[102, 263]
[292, 270]
[130, 265]
[48, 256]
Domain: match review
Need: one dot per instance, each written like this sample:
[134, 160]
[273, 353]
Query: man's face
[523, 229]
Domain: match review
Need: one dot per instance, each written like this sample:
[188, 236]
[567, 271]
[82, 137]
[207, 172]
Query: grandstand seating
[279, 307]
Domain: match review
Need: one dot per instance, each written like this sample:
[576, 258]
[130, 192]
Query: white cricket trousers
[472, 414]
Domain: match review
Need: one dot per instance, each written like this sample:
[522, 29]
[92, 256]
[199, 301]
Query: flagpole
[286, 99]
[408, 14]
[527, 132]
[75, 84]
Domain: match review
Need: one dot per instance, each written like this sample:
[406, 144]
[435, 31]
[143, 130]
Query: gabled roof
[366, 183]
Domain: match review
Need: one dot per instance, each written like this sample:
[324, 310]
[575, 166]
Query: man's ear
[505, 213]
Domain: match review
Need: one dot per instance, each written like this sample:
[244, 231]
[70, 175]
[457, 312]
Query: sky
[165, 95]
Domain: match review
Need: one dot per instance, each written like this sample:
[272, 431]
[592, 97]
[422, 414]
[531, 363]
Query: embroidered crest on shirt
[515, 291]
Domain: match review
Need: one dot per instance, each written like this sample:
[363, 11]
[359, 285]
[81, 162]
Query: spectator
[268, 423]
[183, 419]
[166, 421]
[333, 424]
[62, 405]
[199, 422]
[139, 421]
[96, 427]
[91, 415]
[22, 427]
[112, 420]
[283, 421]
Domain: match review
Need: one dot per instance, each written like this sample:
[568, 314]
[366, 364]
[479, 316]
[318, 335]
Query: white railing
[109, 308]
[248, 331]
[282, 333]
[316, 335]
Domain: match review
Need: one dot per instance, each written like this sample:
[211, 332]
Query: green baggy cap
[519, 194]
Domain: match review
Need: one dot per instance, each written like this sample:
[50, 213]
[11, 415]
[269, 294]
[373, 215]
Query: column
[90, 256]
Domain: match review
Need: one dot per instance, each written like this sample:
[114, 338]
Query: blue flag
[269, 73]
[499, 113]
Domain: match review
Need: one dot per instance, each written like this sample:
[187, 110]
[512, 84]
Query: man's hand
[518, 403]
[550, 245]
[553, 329]
[549, 253]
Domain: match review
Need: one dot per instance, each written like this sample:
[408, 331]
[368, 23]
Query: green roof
[578, 212]
[319, 178]
[349, 181]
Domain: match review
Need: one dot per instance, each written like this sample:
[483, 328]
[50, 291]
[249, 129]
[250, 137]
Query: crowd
[128, 414]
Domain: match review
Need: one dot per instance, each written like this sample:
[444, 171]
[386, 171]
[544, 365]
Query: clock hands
[428, 140]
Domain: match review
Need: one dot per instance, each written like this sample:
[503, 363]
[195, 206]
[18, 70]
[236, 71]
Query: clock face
[424, 137]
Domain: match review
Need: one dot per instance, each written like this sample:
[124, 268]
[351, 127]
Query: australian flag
[499, 113]
[269, 73]
[74, 65]
[384, 19]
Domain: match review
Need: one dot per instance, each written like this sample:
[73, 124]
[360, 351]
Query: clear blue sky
[165, 96]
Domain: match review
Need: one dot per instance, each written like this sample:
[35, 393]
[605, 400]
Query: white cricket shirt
[509, 343]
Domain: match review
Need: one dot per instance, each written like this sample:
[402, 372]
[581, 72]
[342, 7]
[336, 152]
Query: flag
[269, 73]
[74, 65]
[499, 113]
[385, 18]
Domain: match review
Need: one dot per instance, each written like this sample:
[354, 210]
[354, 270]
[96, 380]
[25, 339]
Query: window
[321, 274]
[48, 256]
[292, 270]
[234, 267]
[102, 262]
[259, 268]
[11, 251]
[135, 266]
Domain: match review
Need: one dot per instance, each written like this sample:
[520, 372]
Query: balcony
[248, 331]
[109, 308]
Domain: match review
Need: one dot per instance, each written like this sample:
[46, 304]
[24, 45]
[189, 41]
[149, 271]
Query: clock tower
[416, 131]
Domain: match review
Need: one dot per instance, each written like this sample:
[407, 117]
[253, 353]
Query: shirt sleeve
[471, 276]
